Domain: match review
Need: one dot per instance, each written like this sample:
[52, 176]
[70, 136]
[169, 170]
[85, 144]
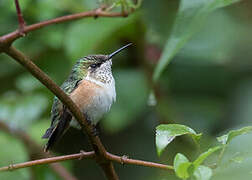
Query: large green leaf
[225, 139]
[237, 161]
[165, 133]
[191, 15]
[181, 166]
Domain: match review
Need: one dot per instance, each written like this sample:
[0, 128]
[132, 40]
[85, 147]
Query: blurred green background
[207, 86]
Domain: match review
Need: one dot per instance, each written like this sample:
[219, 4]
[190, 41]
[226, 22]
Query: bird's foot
[124, 158]
[95, 131]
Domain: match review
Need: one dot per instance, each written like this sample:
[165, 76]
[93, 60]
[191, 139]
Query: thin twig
[126, 160]
[33, 147]
[9, 38]
[82, 155]
[20, 19]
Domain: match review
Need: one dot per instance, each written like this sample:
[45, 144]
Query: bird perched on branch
[91, 86]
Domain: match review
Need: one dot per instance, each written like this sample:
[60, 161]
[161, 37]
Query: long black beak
[117, 51]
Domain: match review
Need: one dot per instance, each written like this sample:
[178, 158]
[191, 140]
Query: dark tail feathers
[55, 133]
[48, 132]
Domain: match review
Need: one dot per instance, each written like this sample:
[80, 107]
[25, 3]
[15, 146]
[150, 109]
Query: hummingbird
[91, 86]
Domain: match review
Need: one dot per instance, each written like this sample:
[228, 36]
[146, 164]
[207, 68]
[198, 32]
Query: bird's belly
[96, 104]
[99, 105]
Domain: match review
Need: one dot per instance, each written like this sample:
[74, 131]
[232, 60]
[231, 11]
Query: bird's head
[97, 66]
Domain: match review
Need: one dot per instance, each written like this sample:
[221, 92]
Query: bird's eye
[93, 66]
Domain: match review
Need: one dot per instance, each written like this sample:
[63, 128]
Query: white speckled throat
[101, 75]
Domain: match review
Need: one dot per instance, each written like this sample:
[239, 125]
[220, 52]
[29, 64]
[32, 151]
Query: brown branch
[85, 126]
[86, 155]
[20, 19]
[9, 38]
[33, 147]
[126, 160]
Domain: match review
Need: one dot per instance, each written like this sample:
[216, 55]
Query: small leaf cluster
[184, 169]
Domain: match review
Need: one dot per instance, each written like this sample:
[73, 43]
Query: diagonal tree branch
[33, 147]
[87, 128]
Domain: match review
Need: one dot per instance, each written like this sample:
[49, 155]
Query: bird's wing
[60, 116]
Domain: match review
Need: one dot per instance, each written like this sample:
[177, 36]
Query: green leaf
[204, 155]
[165, 133]
[191, 15]
[179, 158]
[225, 139]
[203, 173]
[181, 166]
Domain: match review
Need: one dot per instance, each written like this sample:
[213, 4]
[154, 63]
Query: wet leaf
[181, 166]
[225, 139]
[165, 133]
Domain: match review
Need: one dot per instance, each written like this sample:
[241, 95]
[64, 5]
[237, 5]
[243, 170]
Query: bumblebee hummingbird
[91, 86]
